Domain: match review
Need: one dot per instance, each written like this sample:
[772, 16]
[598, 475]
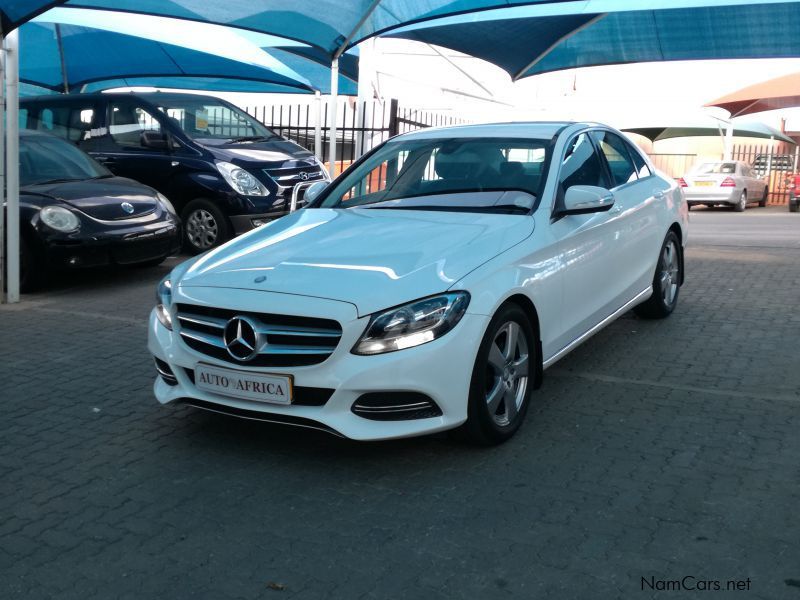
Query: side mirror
[314, 190]
[154, 139]
[583, 199]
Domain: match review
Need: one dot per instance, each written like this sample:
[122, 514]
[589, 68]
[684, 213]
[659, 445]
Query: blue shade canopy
[94, 55]
[327, 24]
[305, 61]
[530, 40]
[14, 13]
[206, 84]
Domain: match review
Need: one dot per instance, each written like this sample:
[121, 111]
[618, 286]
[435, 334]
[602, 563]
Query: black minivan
[224, 171]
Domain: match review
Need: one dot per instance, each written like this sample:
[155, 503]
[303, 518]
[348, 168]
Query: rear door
[123, 151]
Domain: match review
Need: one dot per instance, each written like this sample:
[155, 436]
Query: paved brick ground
[658, 449]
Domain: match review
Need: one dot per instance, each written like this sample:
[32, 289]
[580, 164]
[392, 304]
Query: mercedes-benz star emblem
[127, 207]
[241, 338]
[304, 175]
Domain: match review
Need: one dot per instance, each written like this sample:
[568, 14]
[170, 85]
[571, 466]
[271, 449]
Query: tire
[666, 281]
[32, 268]
[204, 226]
[742, 203]
[763, 202]
[498, 375]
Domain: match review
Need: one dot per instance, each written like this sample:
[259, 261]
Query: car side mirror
[583, 199]
[314, 190]
[154, 139]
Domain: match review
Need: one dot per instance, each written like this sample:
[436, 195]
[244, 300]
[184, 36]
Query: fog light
[163, 316]
[259, 222]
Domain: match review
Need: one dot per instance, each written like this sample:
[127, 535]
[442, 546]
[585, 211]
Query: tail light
[728, 182]
[682, 182]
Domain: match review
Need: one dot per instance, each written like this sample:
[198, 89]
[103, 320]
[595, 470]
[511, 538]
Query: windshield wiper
[254, 138]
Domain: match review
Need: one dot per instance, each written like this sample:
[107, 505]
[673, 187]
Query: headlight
[240, 180]
[413, 324]
[163, 301]
[166, 203]
[321, 165]
[59, 218]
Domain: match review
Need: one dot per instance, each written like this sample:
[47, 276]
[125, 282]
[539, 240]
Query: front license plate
[275, 389]
[704, 183]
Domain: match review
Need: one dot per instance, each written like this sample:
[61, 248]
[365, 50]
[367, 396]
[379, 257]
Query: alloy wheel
[507, 373]
[202, 229]
[670, 273]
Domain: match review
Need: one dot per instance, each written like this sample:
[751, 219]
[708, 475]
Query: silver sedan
[730, 183]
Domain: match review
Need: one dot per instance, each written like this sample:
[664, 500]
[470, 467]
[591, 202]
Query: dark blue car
[225, 172]
[75, 213]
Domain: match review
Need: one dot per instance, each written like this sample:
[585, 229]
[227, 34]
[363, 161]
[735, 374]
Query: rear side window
[581, 165]
[617, 156]
[71, 122]
[641, 167]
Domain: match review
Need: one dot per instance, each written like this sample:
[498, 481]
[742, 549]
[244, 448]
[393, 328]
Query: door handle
[658, 194]
[106, 160]
[615, 209]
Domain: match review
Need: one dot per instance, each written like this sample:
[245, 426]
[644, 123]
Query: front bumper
[123, 247]
[441, 370]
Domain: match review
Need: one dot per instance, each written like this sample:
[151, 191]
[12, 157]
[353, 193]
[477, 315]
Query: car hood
[101, 198]
[272, 152]
[371, 258]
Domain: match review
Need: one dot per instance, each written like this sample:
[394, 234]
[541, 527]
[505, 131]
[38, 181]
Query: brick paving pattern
[657, 449]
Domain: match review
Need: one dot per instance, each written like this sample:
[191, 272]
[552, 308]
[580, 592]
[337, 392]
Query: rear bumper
[715, 195]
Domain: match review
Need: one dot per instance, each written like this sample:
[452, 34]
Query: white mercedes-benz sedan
[428, 287]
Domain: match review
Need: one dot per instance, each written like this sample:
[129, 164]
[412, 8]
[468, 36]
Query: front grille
[283, 340]
[288, 177]
[395, 406]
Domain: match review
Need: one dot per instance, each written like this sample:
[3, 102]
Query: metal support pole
[333, 111]
[3, 277]
[728, 142]
[318, 126]
[12, 164]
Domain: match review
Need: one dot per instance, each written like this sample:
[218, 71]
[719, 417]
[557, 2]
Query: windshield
[716, 168]
[45, 159]
[210, 119]
[478, 174]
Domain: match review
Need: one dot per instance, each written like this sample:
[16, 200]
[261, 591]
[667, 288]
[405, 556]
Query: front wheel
[763, 202]
[502, 378]
[204, 226]
[742, 203]
[666, 281]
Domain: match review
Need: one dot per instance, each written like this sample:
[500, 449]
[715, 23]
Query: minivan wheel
[204, 226]
[502, 378]
[666, 281]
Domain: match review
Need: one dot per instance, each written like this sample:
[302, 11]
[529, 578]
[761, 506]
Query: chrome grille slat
[283, 340]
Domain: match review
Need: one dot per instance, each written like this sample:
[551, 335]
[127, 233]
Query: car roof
[530, 129]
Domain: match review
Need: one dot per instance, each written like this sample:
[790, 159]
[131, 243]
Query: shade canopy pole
[61, 56]
[2, 171]
[12, 164]
[318, 125]
[332, 116]
[728, 142]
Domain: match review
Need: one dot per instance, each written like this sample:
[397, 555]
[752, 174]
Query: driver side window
[581, 165]
[128, 122]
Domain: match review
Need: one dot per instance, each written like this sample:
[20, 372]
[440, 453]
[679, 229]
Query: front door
[124, 151]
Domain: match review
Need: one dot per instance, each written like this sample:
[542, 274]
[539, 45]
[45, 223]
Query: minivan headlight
[412, 324]
[240, 180]
[59, 218]
[163, 301]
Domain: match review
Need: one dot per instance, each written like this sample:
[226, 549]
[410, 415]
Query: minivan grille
[290, 176]
[282, 340]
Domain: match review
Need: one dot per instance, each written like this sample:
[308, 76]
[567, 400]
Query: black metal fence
[360, 126]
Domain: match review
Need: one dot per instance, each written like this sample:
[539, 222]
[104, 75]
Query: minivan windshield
[208, 119]
[45, 159]
[461, 174]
